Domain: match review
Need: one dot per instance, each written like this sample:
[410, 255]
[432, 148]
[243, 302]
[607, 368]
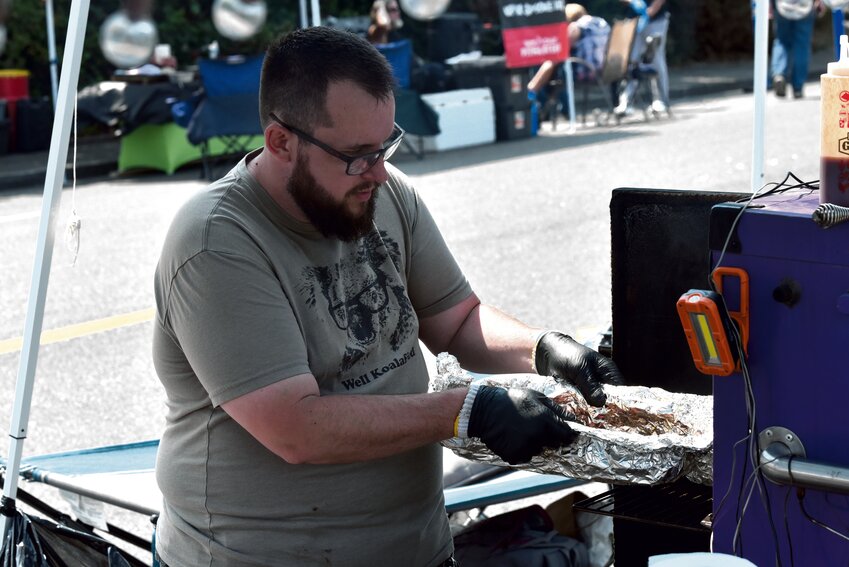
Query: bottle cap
[841, 67]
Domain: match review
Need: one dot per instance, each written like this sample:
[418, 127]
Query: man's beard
[330, 217]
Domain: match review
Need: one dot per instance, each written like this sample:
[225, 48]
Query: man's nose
[377, 173]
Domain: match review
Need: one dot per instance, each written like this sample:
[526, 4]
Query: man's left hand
[564, 358]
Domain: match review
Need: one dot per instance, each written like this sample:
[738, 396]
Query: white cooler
[466, 118]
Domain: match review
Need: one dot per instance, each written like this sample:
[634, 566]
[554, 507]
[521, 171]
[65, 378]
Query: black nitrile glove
[564, 358]
[517, 424]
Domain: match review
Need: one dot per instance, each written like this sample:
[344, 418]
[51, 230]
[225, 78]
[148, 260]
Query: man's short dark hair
[299, 66]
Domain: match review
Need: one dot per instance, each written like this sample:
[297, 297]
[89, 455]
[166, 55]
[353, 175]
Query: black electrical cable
[836, 506]
[738, 528]
[768, 509]
[751, 408]
[740, 507]
[751, 412]
[787, 526]
[752, 445]
[755, 455]
[800, 494]
[783, 186]
[749, 401]
[730, 484]
[755, 480]
[751, 483]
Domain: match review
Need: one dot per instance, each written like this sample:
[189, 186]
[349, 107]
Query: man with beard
[291, 297]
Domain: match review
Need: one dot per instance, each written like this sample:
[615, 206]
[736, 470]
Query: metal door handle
[783, 461]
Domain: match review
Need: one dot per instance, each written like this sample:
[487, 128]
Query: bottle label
[834, 142]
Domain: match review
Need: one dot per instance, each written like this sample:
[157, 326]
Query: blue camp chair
[229, 107]
[411, 112]
[400, 57]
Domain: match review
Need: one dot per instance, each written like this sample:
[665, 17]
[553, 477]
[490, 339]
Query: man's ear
[280, 142]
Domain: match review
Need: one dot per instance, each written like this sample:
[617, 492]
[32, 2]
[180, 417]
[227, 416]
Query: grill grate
[676, 505]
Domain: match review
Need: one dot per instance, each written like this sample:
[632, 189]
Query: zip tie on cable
[828, 214]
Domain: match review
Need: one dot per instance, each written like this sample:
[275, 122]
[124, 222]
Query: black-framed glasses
[356, 165]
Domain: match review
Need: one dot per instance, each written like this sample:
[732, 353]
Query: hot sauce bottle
[834, 130]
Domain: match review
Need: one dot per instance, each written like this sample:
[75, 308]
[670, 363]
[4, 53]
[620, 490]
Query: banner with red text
[533, 31]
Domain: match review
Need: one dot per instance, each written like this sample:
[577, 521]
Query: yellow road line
[82, 329]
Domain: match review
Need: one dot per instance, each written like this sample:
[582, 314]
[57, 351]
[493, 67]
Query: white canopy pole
[759, 90]
[316, 13]
[51, 51]
[570, 89]
[53, 181]
[303, 13]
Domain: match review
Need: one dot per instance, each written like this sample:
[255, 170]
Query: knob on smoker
[843, 303]
[788, 292]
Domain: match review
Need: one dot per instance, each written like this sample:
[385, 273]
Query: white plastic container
[834, 130]
[466, 118]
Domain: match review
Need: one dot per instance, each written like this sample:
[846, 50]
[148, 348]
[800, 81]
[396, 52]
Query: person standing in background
[653, 23]
[791, 48]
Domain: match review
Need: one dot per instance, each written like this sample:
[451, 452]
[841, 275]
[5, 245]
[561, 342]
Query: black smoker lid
[659, 250]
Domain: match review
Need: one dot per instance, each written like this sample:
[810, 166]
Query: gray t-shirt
[247, 295]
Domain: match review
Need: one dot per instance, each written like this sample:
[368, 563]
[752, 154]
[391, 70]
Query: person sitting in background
[651, 35]
[425, 76]
[588, 37]
[385, 21]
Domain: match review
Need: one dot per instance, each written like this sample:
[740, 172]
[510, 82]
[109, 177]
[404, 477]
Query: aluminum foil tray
[612, 455]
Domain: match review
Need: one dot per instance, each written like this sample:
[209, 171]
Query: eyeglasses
[357, 165]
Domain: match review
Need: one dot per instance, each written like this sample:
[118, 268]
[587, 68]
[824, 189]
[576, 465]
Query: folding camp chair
[614, 69]
[229, 107]
[411, 112]
[648, 76]
[400, 57]
[416, 118]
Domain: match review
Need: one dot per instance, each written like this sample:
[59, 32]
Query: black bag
[522, 538]
[34, 124]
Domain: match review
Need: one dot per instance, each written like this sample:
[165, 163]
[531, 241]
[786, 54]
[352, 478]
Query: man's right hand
[517, 424]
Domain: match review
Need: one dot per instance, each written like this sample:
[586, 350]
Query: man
[291, 297]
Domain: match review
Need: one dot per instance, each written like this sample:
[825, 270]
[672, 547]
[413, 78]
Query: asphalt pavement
[98, 156]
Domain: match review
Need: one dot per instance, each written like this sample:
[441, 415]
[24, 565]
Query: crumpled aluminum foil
[605, 455]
